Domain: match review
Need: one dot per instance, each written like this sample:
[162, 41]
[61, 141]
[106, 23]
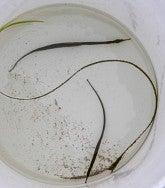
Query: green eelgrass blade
[11, 23]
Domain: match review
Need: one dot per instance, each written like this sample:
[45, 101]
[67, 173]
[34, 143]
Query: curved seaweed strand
[116, 162]
[101, 136]
[79, 70]
[66, 45]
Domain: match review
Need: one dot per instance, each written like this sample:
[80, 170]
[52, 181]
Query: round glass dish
[47, 134]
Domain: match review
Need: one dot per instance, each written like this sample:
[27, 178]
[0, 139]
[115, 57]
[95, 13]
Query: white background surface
[146, 20]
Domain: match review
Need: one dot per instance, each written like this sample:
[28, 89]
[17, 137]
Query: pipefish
[67, 45]
[101, 136]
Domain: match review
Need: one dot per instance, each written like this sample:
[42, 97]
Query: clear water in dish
[52, 139]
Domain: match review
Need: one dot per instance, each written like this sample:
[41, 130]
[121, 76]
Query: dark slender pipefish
[66, 45]
[102, 133]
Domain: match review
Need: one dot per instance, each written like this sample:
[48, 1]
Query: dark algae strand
[106, 61]
[67, 45]
[113, 166]
[116, 162]
[84, 176]
[101, 136]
